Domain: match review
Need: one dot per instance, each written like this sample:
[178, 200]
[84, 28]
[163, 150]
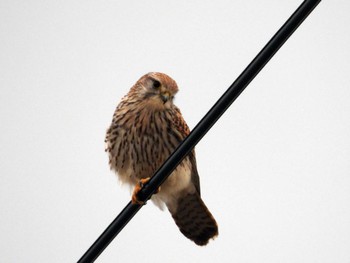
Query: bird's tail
[194, 219]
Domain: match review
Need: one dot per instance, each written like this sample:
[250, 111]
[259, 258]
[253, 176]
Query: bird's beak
[165, 96]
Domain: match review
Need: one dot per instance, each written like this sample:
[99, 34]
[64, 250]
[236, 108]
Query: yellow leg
[137, 189]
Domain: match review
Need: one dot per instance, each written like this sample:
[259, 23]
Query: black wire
[202, 128]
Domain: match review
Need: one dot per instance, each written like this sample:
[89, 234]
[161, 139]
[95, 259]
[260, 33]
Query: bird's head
[156, 90]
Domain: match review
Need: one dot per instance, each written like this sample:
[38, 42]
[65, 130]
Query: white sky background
[275, 169]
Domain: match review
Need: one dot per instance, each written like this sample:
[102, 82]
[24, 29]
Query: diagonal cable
[201, 128]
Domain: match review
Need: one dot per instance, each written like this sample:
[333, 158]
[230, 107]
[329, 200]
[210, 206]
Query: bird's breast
[138, 145]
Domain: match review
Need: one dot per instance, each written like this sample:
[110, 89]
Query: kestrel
[146, 128]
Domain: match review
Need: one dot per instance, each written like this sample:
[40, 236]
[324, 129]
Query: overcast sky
[275, 169]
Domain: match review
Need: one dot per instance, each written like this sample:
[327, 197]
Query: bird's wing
[181, 126]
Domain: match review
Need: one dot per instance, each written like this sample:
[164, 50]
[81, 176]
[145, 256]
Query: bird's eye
[156, 84]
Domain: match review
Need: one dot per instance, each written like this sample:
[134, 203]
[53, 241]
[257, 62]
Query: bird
[146, 128]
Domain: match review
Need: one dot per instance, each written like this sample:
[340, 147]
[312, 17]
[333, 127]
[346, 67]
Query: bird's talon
[137, 189]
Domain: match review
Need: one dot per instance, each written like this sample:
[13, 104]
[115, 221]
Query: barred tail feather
[194, 219]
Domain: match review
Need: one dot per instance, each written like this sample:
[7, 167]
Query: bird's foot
[137, 189]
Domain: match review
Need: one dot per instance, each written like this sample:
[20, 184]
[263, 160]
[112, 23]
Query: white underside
[179, 180]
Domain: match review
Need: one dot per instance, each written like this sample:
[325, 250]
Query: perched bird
[146, 128]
